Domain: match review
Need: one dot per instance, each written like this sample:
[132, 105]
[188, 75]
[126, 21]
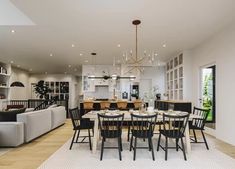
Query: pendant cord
[136, 40]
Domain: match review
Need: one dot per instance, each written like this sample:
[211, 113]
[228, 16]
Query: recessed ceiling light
[73, 45]
[12, 31]
[118, 45]
[69, 66]
[164, 45]
[86, 61]
[51, 54]
[30, 70]
[80, 54]
[155, 54]
[12, 61]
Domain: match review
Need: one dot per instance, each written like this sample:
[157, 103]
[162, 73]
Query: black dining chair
[111, 128]
[176, 131]
[80, 124]
[143, 126]
[198, 124]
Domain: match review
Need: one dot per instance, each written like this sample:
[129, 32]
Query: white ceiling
[99, 25]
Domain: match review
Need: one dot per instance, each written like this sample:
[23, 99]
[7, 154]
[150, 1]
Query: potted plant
[42, 90]
[134, 96]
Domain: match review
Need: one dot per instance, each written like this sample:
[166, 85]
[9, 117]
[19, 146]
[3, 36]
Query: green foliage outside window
[208, 95]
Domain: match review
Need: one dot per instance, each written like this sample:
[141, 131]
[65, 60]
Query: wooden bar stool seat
[137, 104]
[104, 105]
[122, 105]
[88, 106]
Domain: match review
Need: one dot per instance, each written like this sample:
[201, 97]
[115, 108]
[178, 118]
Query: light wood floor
[31, 155]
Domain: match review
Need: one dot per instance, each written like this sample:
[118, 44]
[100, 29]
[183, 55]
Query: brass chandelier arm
[133, 60]
[141, 70]
[140, 60]
[130, 70]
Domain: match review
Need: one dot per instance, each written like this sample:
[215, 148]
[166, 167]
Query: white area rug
[80, 157]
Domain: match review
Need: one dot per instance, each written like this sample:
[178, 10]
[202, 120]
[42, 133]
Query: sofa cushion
[51, 106]
[58, 116]
[35, 123]
[11, 134]
[11, 114]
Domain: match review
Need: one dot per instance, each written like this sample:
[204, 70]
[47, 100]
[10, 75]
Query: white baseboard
[210, 131]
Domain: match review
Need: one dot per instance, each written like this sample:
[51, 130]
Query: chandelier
[134, 62]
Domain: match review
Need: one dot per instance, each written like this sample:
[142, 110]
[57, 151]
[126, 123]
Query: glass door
[207, 99]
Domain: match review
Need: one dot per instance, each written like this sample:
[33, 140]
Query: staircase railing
[39, 104]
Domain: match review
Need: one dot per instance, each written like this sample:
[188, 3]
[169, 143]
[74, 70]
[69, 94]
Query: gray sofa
[11, 134]
[31, 125]
[36, 123]
[58, 116]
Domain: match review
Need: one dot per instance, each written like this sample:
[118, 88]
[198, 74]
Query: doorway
[208, 88]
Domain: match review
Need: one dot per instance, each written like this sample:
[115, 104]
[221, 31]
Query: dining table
[92, 115]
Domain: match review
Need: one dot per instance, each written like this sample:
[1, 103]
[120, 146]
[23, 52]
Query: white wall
[220, 50]
[156, 77]
[19, 92]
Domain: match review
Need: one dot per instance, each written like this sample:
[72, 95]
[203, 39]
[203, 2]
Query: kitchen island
[177, 105]
[113, 105]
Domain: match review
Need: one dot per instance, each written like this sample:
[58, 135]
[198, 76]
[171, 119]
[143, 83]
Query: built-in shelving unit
[175, 78]
[5, 73]
[58, 89]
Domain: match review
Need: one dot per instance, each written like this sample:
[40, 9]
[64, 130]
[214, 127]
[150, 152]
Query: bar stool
[87, 106]
[104, 105]
[137, 104]
[122, 105]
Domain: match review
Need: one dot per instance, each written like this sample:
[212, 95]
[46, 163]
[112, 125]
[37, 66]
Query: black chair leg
[119, 148]
[131, 143]
[135, 148]
[166, 148]
[71, 145]
[204, 138]
[151, 144]
[77, 136]
[102, 149]
[121, 144]
[89, 136]
[177, 144]
[182, 143]
[195, 137]
[128, 133]
[159, 141]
